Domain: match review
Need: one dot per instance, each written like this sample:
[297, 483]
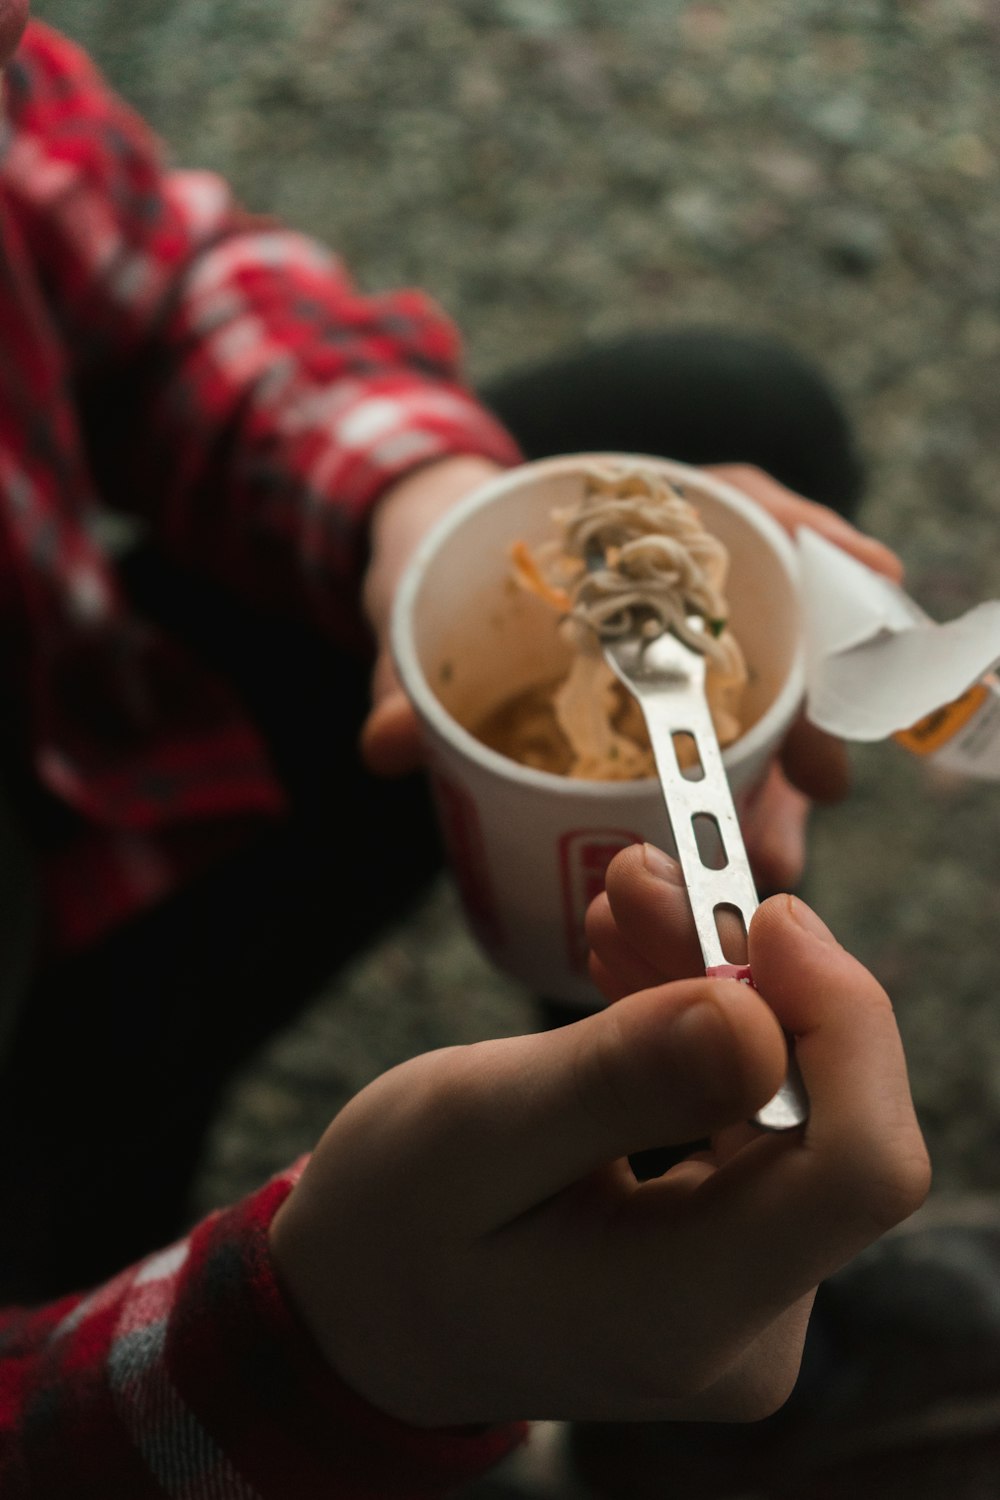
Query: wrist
[326, 1289]
[404, 514]
[431, 490]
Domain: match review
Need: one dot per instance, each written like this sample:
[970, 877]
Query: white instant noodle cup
[529, 848]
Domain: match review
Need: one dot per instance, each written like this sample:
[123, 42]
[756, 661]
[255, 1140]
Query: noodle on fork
[632, 554]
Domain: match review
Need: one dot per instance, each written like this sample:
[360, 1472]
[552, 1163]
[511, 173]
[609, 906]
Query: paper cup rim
[430, 708]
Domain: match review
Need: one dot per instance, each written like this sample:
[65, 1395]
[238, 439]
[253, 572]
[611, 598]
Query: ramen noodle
[632, 555]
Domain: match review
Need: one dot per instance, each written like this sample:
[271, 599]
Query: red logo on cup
[463, 837]
[584, 856]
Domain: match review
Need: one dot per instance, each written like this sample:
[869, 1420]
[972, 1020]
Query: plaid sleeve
[236, 388]
[189, 1377]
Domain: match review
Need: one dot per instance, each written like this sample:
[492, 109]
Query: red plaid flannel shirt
[268, 406]
[187, 1376]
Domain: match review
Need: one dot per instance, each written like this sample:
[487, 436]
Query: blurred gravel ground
[555, 170]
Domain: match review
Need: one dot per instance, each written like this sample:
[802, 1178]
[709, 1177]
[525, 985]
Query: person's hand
[812, 766]
[390, 736]
[468, 1243]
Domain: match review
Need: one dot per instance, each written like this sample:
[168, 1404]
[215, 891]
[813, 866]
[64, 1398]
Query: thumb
[536, 1114]
[672, 1060]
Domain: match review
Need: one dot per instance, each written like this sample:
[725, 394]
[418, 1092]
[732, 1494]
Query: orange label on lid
[936, 729]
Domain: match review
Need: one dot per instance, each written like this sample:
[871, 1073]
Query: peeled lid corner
[875, 662]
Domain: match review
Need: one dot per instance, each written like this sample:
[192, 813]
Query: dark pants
[119, 1056]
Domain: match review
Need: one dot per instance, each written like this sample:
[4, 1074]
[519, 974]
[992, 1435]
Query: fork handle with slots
[667, 679]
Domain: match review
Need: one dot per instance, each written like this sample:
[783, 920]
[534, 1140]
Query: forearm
[263, 439]
[235, 389]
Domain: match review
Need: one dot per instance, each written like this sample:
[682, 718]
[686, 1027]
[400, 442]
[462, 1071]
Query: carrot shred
[529, 576]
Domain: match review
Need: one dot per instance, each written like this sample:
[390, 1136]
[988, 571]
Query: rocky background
[556, 170]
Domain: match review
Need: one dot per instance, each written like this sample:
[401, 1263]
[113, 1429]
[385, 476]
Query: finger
[760, 1379]
[801, 1205]
[501, 1127]
[648, 901]
[608, 981]
[664, 1066]
[390, 740]
[615, 966]
[788, 1210]
[774, 831]
[815, 762]
[792, 510]
[848, 1041]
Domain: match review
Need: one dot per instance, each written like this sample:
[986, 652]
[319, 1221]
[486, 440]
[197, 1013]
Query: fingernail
[661, 866]
[809, 921]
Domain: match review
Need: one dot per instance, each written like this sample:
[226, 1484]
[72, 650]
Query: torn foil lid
[876, 664]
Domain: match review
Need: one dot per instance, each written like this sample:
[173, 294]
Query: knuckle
[602, 1089]
[765, 1396]
[900, 1184]
[705, 1391]
[888, 1181]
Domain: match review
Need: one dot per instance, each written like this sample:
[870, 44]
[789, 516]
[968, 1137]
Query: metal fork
[667, 679]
